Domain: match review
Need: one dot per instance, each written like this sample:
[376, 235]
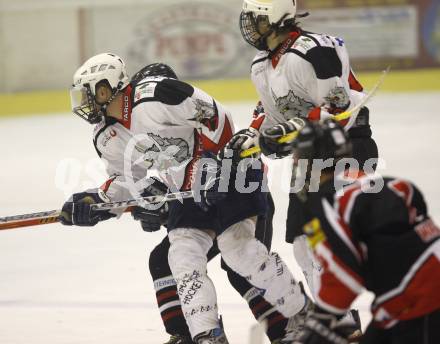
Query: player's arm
[326, 76]
[211, 119]
[245, 138]
[252, 136]
[319, 73]
[111, 145]
[334, 239]
[124, 161]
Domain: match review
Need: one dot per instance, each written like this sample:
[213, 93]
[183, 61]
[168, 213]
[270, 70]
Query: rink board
[235, 90]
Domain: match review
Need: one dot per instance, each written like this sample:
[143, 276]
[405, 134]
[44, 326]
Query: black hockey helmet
[155, 69]
[322, 140]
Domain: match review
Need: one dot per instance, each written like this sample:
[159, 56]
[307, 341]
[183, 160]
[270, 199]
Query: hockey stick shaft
[27, 220]
[52, 216]
[365, 100]
[339, 117]
[145, 200]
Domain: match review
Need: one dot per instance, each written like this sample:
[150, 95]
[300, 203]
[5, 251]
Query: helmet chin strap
[275, 26]
[103, 110]
[272, 29]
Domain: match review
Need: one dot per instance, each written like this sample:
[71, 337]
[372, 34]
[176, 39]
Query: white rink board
[63, 285]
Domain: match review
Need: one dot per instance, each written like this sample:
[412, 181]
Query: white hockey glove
[242, 140]
[268, 140]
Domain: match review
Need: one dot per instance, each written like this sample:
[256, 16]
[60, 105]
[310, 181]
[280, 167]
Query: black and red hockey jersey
[377, 235]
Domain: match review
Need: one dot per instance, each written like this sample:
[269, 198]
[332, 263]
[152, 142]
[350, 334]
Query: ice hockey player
[299, 76]
[373, 233]
[164, 283]
[165, 124]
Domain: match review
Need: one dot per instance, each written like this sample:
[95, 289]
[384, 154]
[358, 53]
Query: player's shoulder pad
[319, 50]
[163, 90]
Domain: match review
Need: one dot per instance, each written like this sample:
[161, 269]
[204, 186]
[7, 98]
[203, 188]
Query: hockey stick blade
[343, 115]
[52, 216]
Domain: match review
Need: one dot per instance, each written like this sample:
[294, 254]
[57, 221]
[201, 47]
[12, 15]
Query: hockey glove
[78, 211]
[242, 140]
[322, 327]
[153, 216]
[268, 140]
[209, 184]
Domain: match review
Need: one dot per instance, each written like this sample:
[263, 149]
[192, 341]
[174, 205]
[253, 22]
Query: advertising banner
[200, 39]
[401, 33]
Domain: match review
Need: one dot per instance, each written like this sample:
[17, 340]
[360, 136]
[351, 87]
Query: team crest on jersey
[206, 113]
[165, 152]
[292, 106]
[338, 98]
[204, 110]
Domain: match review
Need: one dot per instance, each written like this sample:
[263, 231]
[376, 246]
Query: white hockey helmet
[105, 67]
[276, 12]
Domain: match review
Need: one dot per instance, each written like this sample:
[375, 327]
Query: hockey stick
[52, 216]
[365, 100]
[339, 117]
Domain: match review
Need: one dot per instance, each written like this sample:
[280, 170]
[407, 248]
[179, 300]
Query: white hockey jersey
[308, 76]
[166, 126]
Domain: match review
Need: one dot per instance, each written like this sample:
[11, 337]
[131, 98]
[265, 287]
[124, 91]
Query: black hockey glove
[210, 187]
[77, 210]
[153, 216]
[322, 327]
[242, 140]
[268, 140]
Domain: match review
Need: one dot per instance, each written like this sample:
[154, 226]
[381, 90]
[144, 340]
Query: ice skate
[296, 323]
[215, 336]
[179, 339]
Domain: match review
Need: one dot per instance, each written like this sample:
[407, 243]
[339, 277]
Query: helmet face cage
[83, 103]
[249, 27]
[105, 67]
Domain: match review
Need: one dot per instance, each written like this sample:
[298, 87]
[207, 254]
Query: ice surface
[61, 285]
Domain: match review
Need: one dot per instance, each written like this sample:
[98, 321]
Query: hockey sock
[166, 290]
